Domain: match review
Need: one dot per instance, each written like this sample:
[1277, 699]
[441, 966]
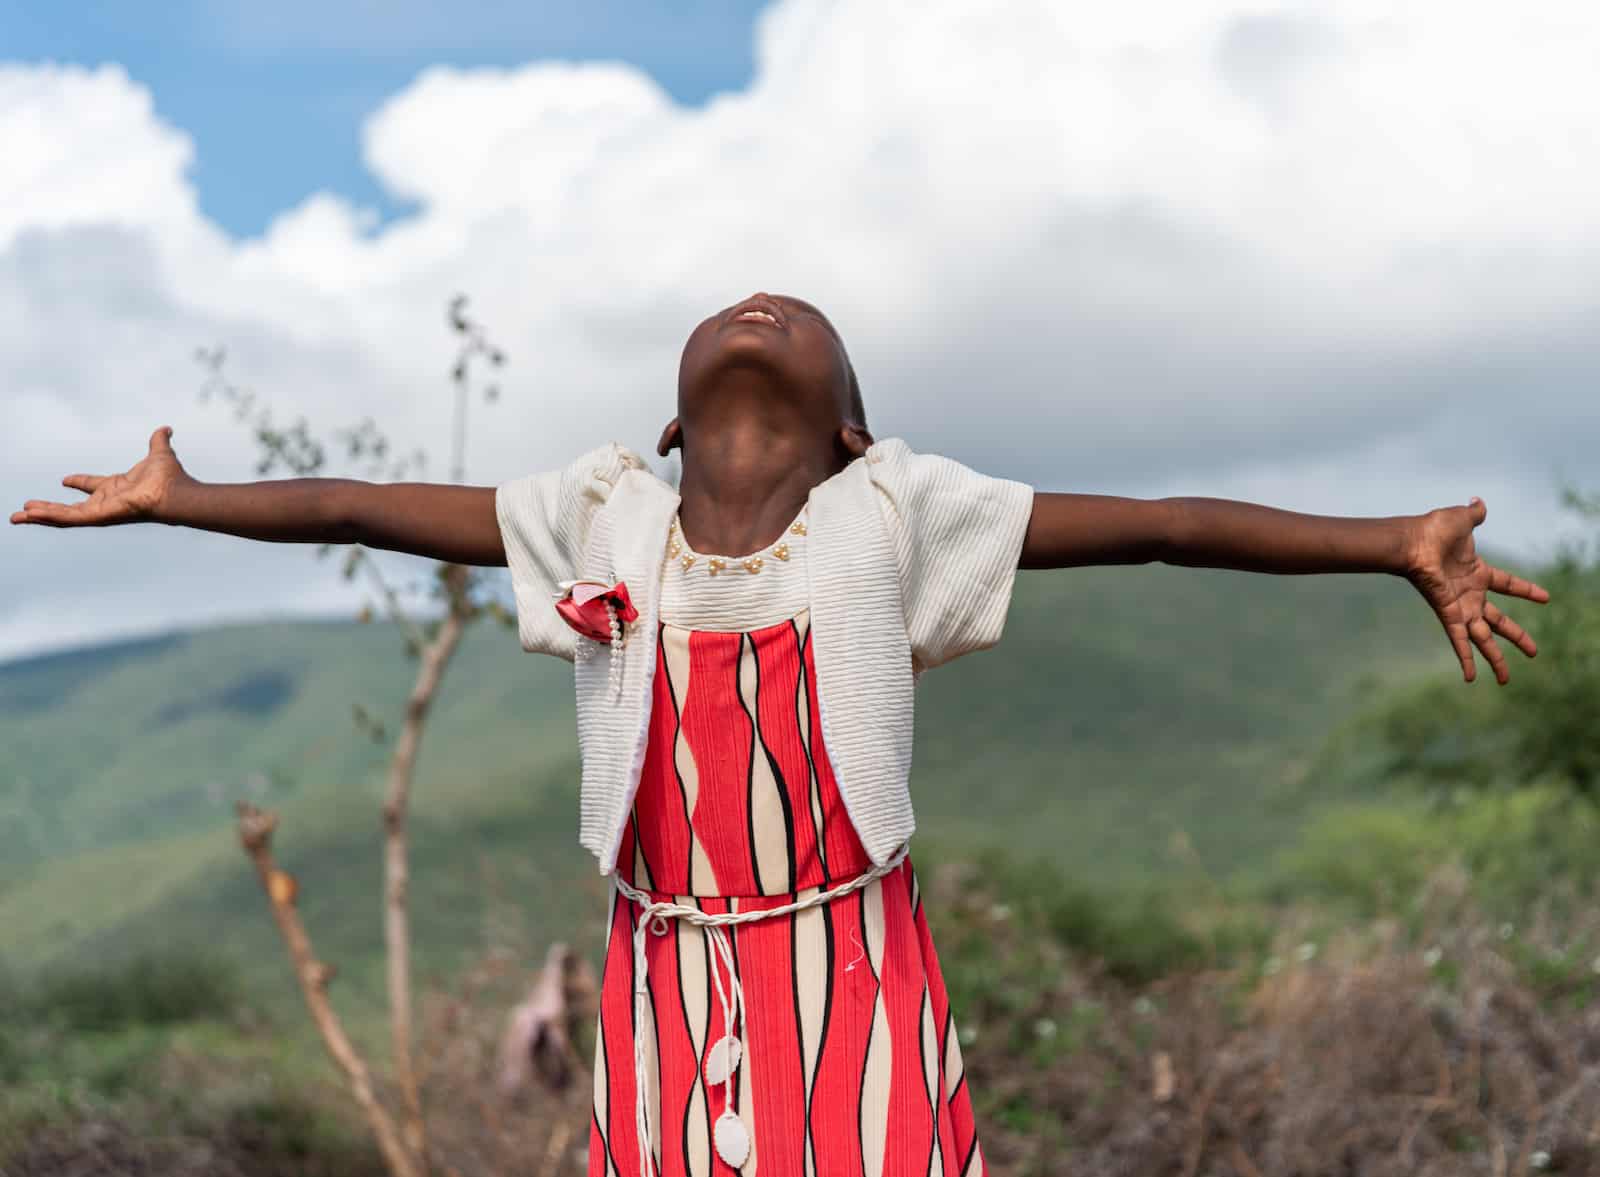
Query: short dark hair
[858, 409]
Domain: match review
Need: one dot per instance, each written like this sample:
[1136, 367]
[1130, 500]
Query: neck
[743, 484]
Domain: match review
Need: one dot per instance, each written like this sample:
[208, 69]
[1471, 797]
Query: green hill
[1125, 706]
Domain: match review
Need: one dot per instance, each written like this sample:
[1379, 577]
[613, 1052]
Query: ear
[671, 438]
[854, 438]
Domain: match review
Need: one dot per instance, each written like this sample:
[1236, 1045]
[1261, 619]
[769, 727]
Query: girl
[745, 649]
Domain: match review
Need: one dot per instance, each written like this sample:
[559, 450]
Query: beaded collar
[687, 559]
[734, 594]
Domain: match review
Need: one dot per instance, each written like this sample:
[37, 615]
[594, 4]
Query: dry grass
[1358, 1056]
[475, 1126]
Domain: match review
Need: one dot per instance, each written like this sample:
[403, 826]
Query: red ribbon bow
[583, 607]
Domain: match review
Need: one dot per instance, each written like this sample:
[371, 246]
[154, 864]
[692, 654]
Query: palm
[113, 498]
[1446, 570]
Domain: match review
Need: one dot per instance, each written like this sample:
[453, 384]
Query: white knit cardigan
[911, 559]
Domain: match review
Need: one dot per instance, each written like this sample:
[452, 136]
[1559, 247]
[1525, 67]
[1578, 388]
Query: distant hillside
[1125, 706]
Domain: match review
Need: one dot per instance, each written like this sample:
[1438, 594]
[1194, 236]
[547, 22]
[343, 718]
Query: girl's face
[783, 337]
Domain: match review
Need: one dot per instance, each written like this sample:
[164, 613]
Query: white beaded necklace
[678, 549]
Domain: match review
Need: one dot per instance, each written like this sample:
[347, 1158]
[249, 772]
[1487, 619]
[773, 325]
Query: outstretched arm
[1434, 552]
[442, 521]
[1075, 529]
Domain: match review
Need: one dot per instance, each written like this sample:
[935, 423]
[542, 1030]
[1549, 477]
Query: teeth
[761, 314]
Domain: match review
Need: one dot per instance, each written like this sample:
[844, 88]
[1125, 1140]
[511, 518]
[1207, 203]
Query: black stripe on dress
[611, 1101]
[750, 769]
[781, 785]
[677, 734]
[966, 1161]
[827, 1012]
[926, 1006]
[699, 1068]
[649, 883]
[866, 1055]
[803, 689]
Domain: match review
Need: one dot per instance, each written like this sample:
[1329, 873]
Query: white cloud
[86, 148]
[1336, 256]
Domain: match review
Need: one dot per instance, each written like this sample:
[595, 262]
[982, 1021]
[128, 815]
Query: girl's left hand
[1444, 567]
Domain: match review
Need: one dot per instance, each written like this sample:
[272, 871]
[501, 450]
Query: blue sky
[273, 93]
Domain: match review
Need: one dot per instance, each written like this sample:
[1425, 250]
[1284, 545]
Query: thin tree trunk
[435, 657]
[255, 833]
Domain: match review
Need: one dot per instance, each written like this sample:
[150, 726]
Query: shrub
[1372, 858]
[145, 990]
[1527, 846]
[1516, 848]
[1135, 937]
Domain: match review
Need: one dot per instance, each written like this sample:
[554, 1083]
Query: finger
[1502, 624]
[1457, 633]
[1502, 581]
[1479, 510]
[53, 514]
[161, 440]
[83, 482]
[1483, 638]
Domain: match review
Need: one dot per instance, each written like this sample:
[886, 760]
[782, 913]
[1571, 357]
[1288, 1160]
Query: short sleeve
[957, 537]
[545, 520]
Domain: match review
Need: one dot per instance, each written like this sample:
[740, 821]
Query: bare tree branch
[397, 928]
[435, 643]
[256, 827]
[414, 636]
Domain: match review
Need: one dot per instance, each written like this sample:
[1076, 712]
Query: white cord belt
[731, 1136]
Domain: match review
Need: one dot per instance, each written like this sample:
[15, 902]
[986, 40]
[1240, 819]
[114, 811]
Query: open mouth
[759, 310]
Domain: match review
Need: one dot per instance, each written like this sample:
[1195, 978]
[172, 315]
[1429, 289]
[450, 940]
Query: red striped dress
[852, 1066]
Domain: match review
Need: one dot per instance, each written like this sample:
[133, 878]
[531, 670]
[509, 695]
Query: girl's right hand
[134, 497]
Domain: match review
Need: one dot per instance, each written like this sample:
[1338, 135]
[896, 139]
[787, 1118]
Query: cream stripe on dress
[802, 706]
[811, 981]
[646, 1032]
[878, 1066]
[768, 803]
[694, 987]
[641, 867]
[954, 1066]
[930, 1073]
[675, 644]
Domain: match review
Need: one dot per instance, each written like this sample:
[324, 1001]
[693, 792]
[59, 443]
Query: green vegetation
[147, 990]
[1515, 848]
[159, 1059]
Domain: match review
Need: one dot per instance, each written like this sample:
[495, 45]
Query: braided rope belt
[731, 1136]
